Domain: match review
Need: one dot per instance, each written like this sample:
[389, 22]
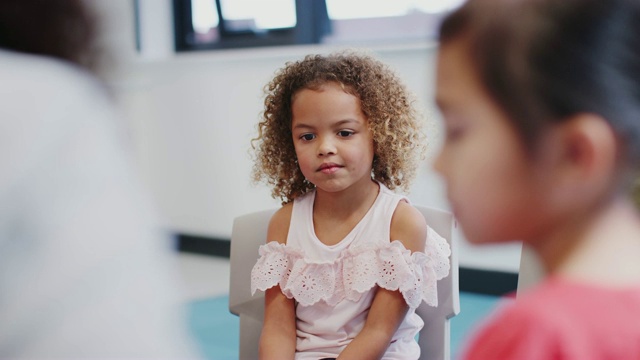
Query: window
[219, 24]
[384, 20]
[222, 24]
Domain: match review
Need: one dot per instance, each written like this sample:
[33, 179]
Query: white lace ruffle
[357, 270]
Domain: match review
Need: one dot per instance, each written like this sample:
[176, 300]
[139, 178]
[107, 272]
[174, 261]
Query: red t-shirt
[560, 319]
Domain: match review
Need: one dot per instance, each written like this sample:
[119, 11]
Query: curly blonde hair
[396, 127]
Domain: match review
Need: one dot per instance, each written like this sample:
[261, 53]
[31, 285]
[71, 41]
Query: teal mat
[216, 331]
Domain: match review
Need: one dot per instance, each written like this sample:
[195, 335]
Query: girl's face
[333, 143]
[495, 188]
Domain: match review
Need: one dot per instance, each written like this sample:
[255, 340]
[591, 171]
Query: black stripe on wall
[488, 282]
[480, 281]
[204, 245]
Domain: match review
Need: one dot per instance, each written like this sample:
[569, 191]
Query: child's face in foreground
[492, 184]
[333, 144]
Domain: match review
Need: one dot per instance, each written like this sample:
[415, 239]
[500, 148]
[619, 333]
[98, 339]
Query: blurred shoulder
[46, 81]
[52, 108]
[498, 338]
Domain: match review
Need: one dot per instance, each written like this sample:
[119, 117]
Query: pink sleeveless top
[334, 285]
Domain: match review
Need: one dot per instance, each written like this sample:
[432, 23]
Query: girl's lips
[329, 168]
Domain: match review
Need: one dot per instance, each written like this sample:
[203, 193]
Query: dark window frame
[311, 26]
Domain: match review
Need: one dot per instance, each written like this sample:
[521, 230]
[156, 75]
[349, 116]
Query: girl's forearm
[387, 311]
[278, 338]
[277, 346]
[369, 344]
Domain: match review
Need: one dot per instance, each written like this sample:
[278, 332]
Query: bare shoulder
[279, 224]
[409, 227]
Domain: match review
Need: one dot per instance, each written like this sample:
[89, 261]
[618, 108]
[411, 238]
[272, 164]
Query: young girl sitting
[541, 100]
[347, 261]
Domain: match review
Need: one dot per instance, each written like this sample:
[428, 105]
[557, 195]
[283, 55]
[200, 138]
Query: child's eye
[454, 133]
[345, 133]
[307, 137]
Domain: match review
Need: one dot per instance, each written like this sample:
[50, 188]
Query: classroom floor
[206, 284]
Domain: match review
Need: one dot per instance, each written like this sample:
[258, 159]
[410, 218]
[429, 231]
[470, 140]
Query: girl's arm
[278, 338]
[389, 307]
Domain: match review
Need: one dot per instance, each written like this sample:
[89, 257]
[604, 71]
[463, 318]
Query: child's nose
[326, 147]
[439, 163]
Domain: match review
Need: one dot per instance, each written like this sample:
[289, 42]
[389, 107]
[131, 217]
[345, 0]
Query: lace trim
[390, 266]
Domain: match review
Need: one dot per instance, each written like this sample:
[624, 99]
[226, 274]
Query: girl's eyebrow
[302, 126]
[337, 124]
[346, 121]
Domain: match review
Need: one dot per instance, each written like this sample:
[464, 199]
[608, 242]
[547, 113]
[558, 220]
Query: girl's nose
[439, 162]
[326, 147]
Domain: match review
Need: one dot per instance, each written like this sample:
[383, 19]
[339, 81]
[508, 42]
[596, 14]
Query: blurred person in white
[85, 272]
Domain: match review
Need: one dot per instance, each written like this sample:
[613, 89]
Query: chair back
[250, 231]
[435, 336]
[531, 270]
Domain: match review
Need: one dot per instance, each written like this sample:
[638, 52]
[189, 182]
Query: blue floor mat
[214, 328]
[216, 331]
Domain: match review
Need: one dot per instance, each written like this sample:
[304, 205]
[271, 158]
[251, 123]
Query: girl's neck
[335, 214]
[355, 199]
[600, 248]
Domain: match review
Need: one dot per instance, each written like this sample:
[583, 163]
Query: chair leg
[434, 340]
[250, 330]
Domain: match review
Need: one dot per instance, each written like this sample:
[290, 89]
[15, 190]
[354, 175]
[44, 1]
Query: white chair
[249, 232]
[531, 270]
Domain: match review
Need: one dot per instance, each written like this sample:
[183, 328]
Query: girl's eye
[307, 137]
[345, 133]
[454, 133]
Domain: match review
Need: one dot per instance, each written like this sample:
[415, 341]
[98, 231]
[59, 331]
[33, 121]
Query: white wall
[193, 116]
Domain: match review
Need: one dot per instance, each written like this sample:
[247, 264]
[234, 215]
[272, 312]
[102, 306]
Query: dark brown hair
[63, 29]
[544, 60]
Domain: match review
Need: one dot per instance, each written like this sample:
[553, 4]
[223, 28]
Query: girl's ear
[587, 158]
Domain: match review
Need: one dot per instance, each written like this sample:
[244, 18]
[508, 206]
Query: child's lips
[329, 168]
